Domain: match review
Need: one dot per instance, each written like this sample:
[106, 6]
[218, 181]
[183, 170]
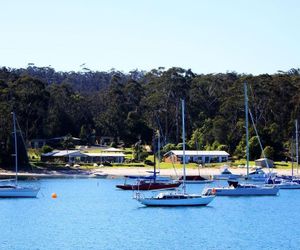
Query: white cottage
[176, 156]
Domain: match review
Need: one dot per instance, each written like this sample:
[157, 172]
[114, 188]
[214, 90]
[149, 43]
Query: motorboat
[236, 189]
[259, 175]
[226, 174]
[247, 189]
[284, 183]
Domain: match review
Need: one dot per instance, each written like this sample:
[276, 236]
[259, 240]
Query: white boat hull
[18, 192]
[249, 191]
[199, 182]
[288, 185]
[226, 176]
[193, 201]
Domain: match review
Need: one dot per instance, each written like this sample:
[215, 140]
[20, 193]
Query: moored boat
[15, 190]
[177, 198]
[145, 184]
[226, 174]
[195, 179]
[236, 189]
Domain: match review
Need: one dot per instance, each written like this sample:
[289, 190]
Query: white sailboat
[292, 182]
[177, 198]
[236, 189]
[15, 190]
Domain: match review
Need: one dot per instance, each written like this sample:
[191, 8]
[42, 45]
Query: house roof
[77, 153]
[112, 150]
[62, 153]
[105, 154]
[263, 159]
[198, 153]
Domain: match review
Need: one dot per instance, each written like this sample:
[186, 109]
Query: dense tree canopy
[130, 106]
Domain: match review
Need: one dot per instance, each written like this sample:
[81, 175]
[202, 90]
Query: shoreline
[121, 172]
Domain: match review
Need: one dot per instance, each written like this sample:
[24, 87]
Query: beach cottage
[77, 156]
[176, 156]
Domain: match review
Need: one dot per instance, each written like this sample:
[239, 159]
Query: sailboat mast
[292, 156]
[246, 125]
[16, 146]
[183, 147]
[155, 151]
[297, 146]
[158, 152]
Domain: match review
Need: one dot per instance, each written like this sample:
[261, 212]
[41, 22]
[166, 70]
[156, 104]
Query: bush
[46, 149]
[106, 163]
[148, 162]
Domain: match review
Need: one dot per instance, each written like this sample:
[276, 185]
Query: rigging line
[198, 164]
[297, 145]
[172, 158]
[292, 156]
[20, 132]
[160, 128]
[260, 144]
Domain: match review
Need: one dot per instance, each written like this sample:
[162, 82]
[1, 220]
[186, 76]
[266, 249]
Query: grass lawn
[34, 157]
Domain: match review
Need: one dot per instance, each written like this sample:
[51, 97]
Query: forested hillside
[130, 106]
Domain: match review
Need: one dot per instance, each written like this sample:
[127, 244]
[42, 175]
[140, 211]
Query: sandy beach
[119, 172]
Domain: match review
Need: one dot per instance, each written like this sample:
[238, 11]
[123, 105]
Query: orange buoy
[54, 195]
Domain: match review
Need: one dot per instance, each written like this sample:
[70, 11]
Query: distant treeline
[131, 106]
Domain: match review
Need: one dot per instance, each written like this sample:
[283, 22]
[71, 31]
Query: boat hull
[18, 192]
[227, 176]
[195, 201]
[257, 191]
[195, 179]
[149, 186]
[199, 182]
[288, 186]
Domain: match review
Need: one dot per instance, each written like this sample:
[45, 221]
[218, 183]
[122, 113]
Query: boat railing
[138, 196]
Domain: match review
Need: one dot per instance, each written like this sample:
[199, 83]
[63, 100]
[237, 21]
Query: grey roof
[198, 153]
[77, 153]
[105, 154]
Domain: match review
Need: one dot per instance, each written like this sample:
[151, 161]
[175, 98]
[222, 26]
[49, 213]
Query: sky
[207, 36]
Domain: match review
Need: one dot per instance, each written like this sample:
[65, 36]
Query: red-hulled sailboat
[152, 182]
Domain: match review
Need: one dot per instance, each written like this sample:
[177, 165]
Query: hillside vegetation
[132, 106]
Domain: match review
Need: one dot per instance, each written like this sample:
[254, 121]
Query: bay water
[93, 214]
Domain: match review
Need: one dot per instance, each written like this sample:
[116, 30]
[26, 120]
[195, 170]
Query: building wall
[171, 158]
[196, 159]
[87, 159]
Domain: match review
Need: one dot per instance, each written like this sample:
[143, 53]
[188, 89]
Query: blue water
[92, 214]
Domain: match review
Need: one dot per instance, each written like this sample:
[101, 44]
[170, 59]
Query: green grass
[34, 156]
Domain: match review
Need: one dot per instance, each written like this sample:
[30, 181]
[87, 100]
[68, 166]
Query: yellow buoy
[54, 195]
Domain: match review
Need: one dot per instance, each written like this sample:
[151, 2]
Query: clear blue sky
[211, 36]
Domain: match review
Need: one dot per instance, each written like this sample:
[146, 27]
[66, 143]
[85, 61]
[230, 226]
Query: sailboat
[15, 190]
[289, 182]
[196, 179]
[152, 182]
[236, 189]
[177, 198]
